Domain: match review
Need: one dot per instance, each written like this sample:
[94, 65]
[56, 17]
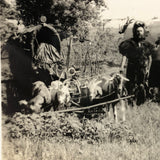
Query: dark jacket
[138, 58]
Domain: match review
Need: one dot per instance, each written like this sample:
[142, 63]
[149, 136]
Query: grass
[26, 149]
[143, 120]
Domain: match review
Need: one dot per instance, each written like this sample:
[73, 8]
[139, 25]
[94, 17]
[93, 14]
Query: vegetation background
[94, 51]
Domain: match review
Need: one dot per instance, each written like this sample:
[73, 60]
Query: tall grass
[143, 120]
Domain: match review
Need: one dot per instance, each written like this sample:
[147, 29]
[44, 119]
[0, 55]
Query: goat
[108, 88]
[60, 95]
[40, 97]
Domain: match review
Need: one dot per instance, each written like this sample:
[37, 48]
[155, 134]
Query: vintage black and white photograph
[80, 79]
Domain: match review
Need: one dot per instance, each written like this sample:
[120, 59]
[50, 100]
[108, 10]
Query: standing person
[154, 78]
[138, 51]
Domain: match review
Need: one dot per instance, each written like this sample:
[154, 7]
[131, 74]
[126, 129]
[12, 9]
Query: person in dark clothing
[138, 51]
[154, 78]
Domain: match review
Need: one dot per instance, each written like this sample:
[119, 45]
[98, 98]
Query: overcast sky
[139, 9]
[143, 10]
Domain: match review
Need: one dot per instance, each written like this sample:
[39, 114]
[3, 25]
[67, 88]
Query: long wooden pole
[69, 51]
[93, 106]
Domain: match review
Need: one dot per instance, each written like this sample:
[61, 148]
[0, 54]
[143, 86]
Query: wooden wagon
[24, 48]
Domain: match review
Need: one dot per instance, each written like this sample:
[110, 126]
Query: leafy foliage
[51, 125]
[7, 12]
[66, 14]
[100, 47]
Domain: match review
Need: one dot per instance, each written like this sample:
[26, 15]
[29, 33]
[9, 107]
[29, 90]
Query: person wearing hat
[138, 52]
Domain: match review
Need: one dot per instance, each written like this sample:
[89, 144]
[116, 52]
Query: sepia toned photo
[80, 79]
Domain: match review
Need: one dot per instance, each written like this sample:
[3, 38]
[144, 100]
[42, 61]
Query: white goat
[106, 89]
[40, 97]
[60, 95]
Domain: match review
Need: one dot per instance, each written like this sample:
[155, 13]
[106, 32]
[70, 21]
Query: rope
[96, 97]
[106, 95]
[93, 106]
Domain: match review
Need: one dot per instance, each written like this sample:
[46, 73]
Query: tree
[65, 14]
[7, 12]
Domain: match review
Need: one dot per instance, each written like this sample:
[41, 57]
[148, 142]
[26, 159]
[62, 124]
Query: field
[56, 136]
[51, 136]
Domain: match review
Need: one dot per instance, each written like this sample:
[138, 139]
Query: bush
[50, 124]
